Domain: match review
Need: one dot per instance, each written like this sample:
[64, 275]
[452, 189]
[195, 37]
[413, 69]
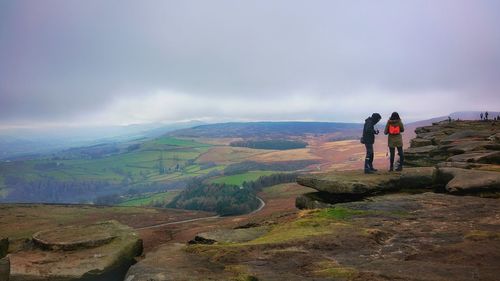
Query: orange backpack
[394, 130]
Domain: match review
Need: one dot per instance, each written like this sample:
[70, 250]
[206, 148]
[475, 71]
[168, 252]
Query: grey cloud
[65, 59]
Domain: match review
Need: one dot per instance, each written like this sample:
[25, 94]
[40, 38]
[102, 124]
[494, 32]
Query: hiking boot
[399, 168]
[391, 169]
[368, 168]
[373, 169]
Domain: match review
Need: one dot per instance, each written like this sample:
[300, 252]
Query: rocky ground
[427, 236]
[385, 226]
[99, 251]
[67, 242]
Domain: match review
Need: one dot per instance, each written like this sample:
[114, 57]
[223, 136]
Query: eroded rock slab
[350, 182]
[172, 263]
[448, 141]
[230, 235]
[417, 178]
[346, 186]
[101, 251]
[486, 157]
[458, 180]
[314, 200]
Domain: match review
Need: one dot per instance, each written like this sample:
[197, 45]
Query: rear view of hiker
[368, 140]
[394, 128]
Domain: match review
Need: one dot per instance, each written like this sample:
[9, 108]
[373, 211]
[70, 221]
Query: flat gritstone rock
[95, 252]
[76, 237]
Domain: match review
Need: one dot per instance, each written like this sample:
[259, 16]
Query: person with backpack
[393, 129]
[368, 139]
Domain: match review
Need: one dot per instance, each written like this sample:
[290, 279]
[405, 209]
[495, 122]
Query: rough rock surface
[100, 251]
[350, 182]
[4, 269]
[345, 186]
[417, 178]
[458, 180]
[427, 236]
[315, 200]
[4, 261]
[230, 235]
[484, 157]
[444, 141]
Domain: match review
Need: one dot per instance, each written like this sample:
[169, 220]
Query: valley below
[322, 218]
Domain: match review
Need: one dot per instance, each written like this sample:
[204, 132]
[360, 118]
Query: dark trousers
[369, 156]
[392, 151]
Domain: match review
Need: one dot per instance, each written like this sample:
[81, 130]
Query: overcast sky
[121, 62]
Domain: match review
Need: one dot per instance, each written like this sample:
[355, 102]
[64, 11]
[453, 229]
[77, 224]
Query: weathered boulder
[442, 140]
[434, 137]
[456, 180]
[468, 146]
[467, 134]
[495, 138]
[312, 200]
[230, 235]
[420, 142]
[347, 186]
[421, 151]
[486, 157]
[100, 251]
[416, 178]
[350, 182]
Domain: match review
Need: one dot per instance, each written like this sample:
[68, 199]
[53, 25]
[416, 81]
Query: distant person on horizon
[481, 115]
[486, 115]
[394, 128]
[368, 139]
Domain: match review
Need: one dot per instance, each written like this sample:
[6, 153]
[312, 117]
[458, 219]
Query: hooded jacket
[395, 140]
[369, 129]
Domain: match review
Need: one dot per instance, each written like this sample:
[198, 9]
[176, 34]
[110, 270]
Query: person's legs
[391, 152]
[368, 158]
[401, 158]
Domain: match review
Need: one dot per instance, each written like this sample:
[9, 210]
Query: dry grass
[226, 154]
[285, 155]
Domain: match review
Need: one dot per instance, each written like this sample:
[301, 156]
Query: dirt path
[176, 222]
[262, 205]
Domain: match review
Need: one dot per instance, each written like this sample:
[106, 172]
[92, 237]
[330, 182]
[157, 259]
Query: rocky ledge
[475, 142]
[95, 252]
[458, 157]
[345, 186]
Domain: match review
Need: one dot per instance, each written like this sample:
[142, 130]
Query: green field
[240, 178]
[163, 197]
[141, 165]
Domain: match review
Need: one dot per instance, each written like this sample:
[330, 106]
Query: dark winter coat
[369, 131]
[394, 140]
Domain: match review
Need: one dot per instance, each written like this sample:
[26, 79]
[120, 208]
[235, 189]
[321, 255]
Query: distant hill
[32, 142]
[266, 129]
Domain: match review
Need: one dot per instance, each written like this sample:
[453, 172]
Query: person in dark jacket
[394, 128]
[368, 140]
